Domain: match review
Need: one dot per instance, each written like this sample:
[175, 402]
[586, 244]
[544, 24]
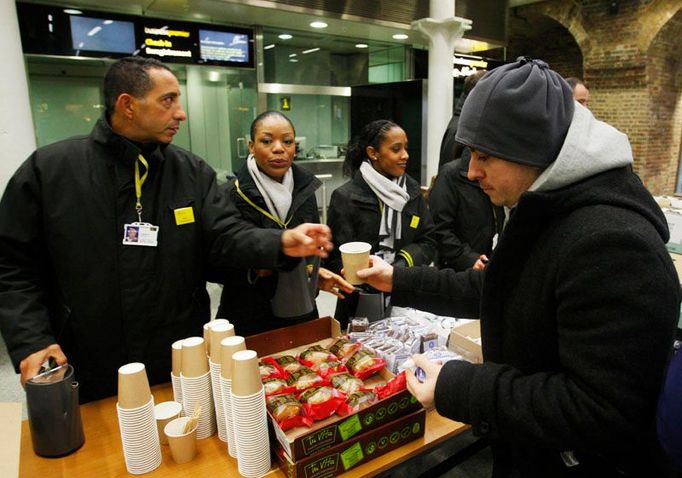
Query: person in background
[467, 224]
[71, 289]
[580, 92]
[579, 302]
[380, 205]
[271, 192]
[450, 149]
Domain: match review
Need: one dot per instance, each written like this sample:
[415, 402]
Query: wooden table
[102, 453]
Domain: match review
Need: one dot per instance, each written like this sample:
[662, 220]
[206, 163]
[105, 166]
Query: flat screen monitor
[223, 46]
[100, 34]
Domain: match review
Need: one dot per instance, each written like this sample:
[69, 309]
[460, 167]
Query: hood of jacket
[593, 167]
[591, 147]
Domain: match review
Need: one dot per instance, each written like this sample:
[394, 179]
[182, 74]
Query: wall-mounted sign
[285, 103]
[48, 30]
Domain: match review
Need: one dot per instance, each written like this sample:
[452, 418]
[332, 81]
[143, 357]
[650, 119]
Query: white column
[17, 139]
[442, 29]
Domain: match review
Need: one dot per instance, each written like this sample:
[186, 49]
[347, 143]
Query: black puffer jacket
[578, 306]
[66, 277]
[355, 215]
[465, 220]
[245, 300]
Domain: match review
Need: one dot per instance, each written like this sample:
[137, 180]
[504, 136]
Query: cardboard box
[303, 442]
[460, 341]
[358, 450]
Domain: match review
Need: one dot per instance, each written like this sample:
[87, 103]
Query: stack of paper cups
[136, 421]
[249, 416]
[196, 385]
[219, 331]
[229, 346]
[176, 369]
[207, 332]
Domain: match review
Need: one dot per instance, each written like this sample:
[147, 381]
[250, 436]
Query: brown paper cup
[176, 358]
[133, 386]
[245, 373]
[164, 413]
[194, 359]
[355, 256]
[228, 347]
[207, 336]
[183, 446]
[218, 333]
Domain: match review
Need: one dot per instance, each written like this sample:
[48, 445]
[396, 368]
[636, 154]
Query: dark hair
[372, 134]
[573, 82]
[268, 114]
[128, 75]
[471, 80]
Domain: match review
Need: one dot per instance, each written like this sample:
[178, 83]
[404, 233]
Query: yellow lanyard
[139, 181]
[277, 220]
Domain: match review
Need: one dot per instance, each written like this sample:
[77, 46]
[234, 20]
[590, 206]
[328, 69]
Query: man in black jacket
[450, 148]
[579, 302]
[467, 224]
[71, 286]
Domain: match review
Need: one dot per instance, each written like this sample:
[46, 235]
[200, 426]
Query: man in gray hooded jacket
[578, 303]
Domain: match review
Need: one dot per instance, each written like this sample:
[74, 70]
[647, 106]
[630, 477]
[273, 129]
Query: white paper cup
[164, 412]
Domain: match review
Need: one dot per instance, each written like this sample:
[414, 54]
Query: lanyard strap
[139, 181]
[265, 213]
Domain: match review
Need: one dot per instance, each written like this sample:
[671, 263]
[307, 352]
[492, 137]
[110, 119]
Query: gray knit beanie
[519, 112]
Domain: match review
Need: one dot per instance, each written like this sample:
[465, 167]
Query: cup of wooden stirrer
[182, 437]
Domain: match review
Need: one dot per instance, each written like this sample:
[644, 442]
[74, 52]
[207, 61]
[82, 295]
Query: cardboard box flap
[269, 343]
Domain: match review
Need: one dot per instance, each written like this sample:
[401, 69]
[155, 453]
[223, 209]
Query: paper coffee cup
[207, 336]
[207, 331]
[133, 386]
[183, 445]
[245, 373]
[355, 256]
[194, 359]
[164, 412]
[228, 346]
[218, 333]
[176, 358]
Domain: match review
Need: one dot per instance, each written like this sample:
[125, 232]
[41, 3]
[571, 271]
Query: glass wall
[312, 74]
[66, 100]
[308, 77]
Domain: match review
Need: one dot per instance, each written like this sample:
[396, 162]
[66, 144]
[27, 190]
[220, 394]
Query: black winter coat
[355, 215]
[450, 148]
[245, 300]
[66, 277]
[465, 220]
[578, 306]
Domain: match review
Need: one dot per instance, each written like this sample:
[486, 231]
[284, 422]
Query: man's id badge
[140, 234]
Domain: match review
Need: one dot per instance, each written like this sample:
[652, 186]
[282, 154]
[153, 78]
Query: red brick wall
[631, 61]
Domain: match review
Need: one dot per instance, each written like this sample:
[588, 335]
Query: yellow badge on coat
[184, 215]
[414, 223]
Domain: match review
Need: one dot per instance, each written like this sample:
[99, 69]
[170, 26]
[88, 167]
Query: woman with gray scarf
[380, 205]
[272, 192]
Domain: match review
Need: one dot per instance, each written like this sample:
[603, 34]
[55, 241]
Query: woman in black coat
[270, 192]
[380, 205]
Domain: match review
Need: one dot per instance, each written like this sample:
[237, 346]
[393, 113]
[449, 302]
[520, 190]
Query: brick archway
[529, 32]
[664, 82]
[626, 58]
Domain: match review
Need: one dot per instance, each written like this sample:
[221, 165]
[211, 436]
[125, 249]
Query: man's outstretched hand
[307, 240]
